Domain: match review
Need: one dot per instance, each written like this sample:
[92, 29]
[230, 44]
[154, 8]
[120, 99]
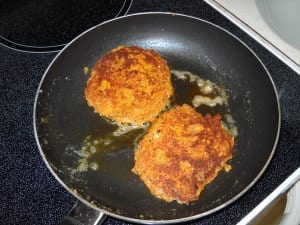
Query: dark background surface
[29, 193]
[51, 23]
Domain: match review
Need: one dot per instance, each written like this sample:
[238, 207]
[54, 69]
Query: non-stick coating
[63, 119]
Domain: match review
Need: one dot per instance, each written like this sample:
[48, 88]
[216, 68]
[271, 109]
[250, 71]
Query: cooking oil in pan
[101, 153]
[202, 94]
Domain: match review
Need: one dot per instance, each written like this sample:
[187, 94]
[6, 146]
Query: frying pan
[62, 119]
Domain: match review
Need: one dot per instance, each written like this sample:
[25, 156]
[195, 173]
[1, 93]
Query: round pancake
[181, 153]
[129, 85]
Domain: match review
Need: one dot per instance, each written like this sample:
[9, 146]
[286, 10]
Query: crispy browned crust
[129, 85]
[181, 153]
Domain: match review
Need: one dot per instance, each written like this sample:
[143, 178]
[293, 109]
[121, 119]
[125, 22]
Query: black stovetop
[33, 25]
[30, 194]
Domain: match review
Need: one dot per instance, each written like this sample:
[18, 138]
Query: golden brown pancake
[129, 85]
[181, 153]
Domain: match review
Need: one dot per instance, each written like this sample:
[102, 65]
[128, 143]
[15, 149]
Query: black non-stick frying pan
[63, 119]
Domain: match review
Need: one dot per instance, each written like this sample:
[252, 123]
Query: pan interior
[63, 119]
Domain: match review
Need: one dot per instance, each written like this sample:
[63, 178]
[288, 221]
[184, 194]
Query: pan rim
[168, 221]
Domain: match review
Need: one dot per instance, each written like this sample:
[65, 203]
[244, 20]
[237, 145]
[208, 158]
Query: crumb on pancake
[129, 85]
[181, 153]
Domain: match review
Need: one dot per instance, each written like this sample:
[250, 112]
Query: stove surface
[31, 195]
[49, 25]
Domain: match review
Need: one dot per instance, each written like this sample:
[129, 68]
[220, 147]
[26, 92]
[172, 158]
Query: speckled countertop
[28, 192]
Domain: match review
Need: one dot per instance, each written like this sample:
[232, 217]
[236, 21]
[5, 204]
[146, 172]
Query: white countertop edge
[260, 39]
[280, 190]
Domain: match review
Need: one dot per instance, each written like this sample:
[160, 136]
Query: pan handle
[81, 214]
